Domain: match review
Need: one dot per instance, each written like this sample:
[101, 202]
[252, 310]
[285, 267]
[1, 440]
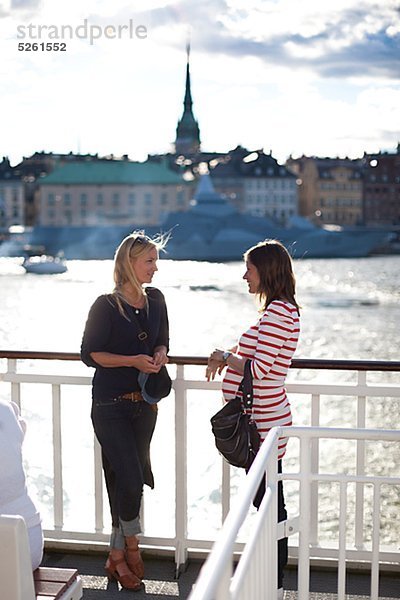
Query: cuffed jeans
[124, 430]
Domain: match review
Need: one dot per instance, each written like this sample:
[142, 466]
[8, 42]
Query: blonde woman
[123, 421]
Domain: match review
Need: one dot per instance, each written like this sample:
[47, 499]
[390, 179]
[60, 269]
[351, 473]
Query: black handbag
[235, 432]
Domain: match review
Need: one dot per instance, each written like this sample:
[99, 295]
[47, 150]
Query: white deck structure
[362, 493]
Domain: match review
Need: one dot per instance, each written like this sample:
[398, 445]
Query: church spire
[188, 94]
[187, 132]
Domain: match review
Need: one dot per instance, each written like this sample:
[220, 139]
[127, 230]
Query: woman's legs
[124, 431]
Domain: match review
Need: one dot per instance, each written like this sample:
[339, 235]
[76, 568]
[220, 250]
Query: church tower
[187, 140]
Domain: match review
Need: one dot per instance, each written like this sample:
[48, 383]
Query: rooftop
[112, 173]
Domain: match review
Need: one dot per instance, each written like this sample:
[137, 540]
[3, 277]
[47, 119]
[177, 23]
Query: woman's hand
[160, 356]
[145, 363]
[217, 356]
[213, 368]
[216, 364]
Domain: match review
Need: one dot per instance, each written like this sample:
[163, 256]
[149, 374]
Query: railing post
[180, 469]
[98, 486]
[304, 519]
[375, 542]
[222, 592]
[315, 422]
[342, 541]
[360, 470]
[226, 489]
[271, 558]
[57, 459]
[15, 386]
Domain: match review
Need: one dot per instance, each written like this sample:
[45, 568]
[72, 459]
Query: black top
[107, 330]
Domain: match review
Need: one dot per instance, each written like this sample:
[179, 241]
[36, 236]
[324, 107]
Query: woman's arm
[142, 362]
[216, 363]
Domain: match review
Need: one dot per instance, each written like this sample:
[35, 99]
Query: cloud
[346, 41]
[23, 4]
[14, 7]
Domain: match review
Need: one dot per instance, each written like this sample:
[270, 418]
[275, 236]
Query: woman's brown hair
[274, 267]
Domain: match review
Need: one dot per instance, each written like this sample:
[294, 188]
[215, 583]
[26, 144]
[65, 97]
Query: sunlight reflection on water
[350, 309]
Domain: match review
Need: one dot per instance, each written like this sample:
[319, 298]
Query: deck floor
[160, 582]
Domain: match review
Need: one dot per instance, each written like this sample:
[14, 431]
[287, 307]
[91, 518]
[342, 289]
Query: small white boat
[45, 264]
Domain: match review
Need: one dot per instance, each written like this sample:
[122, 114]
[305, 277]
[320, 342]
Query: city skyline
[287, 77]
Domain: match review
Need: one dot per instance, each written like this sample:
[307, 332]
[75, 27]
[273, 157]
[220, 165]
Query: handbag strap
[246, 385]
[143, 336]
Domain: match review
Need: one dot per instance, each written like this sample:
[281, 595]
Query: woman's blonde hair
[133, 246]
[274, 266]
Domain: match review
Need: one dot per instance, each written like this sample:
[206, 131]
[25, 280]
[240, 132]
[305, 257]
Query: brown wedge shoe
[133, 557]
[123, 575]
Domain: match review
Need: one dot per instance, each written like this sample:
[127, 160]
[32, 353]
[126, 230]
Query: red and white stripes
[270, 345]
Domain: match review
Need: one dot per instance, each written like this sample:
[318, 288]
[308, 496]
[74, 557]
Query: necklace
[136, 303]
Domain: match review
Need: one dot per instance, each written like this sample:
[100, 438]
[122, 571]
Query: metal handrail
[216, 582]
[297, 363]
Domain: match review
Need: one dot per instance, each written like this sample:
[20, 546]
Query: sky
[292, 77]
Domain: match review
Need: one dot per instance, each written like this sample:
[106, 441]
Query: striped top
[270, 345]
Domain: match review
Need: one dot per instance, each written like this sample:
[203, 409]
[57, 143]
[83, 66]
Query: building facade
[330, 189]
[256, 184]
[111, 193]
[12, 197]
[382, 188]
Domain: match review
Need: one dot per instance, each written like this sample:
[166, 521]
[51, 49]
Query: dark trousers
[282, 516]
[124, 430]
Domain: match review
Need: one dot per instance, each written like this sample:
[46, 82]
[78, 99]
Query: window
[99, 199]
[50, 199]
[180, 198]
[67, 200]
[131, 199]
[83, 199]
[148, 200]
[115, 199]
[164, 198]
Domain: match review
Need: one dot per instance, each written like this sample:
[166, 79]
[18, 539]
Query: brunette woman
[269, 344]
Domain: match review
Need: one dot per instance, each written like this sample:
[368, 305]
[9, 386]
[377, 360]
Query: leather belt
[132, 396]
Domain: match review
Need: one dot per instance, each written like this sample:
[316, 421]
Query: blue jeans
[124, 430]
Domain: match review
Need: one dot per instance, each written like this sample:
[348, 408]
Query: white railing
[25, 372]
[256, 573]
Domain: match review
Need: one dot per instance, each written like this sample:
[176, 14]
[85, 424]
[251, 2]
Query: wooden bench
[16, 579]
[57, 584]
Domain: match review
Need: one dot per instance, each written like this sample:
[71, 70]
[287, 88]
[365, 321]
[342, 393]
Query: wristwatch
[226, 355]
